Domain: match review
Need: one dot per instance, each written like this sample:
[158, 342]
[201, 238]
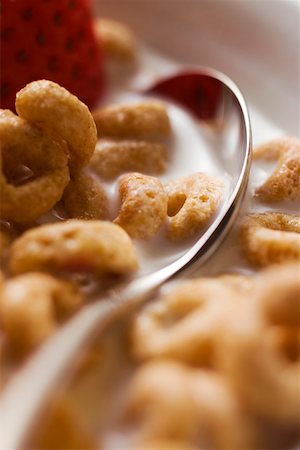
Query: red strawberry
[51, 39]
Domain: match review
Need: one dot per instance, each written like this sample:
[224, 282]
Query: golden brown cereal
[143, 205]
[163, 444]
[219, 412]
[183, 323]
[192, 202]
[138, 121]
[112, 158]
[25, 144]
[85, 198]
[31, 306]
[284, 183]
[53, 108]
[169, 401]
[270, 237]
[74, 246]
[116, 39]
[263, 373]
[7, 235]
[161, 402]
[63, 428]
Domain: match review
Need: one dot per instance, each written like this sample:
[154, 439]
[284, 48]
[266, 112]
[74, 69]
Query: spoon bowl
[213, 99]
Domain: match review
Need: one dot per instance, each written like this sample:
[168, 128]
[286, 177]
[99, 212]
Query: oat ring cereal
[144, 120]
[270, 237]
[83, 246]
[171, 401]
[284, 183]
[192, 201]
[219, 412]
[262, 346]
[159, 399]
[85, 198]
[143, 205]
[182, 324]
[32, 305]
[25, 145]
[112, 158]
[53, 108]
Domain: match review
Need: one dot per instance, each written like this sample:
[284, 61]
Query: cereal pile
[216, 360]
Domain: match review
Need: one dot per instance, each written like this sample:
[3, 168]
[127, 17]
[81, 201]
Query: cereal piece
[24, 143]
[112, 158]
[6, 237]
[163, 444]
[74, 246]
[284, 183]
[138, 121]
[270, 237]
[52, 107]
[192, 202]
[31, 306]
[116, 39]
[85, 198]
[160, 400]
[168, 400]
[143, 205]
[63, 427]
[264, 374]
[220, 413]
[183, 323]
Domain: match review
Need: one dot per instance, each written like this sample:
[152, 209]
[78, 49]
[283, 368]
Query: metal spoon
[215, 100]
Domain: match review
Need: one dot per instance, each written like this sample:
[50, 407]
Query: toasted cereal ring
[220, 413]
[31, 306]
[53, 108]
[63, 426]
[74, 246]
[85, 198]
[7, 235]
[284, 183]
[270, 237]
[183, 323]
[160, 401]
[163, 444]
[170, 401]
[263, 373]
[112, 158]
[143, 205]
[116, 39]
[138, 121]
[192, 202]
[25, 144]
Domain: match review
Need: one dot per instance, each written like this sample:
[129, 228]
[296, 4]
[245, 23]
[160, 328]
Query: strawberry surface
[51, 39]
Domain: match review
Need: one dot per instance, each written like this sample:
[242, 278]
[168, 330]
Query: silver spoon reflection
[216, 101]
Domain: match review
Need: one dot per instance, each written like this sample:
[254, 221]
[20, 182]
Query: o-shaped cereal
[112, 158]
[270, 237]
[264, 373]
[138, 121]
[85, 198]
[7, 235]
[74, 246]
[143, 205]
[25, 144]
[52, 107]
[160, 400]
[169, 400]
[192, 201]
[116, 39]
[284, 183]
[183, 323]
[31, 306]
[220, 413]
